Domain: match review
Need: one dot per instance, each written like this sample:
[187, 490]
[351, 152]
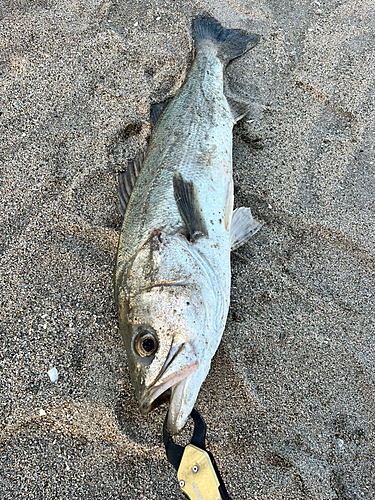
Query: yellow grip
[196, 476]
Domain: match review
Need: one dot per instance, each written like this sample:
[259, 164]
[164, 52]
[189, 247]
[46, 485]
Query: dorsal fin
[127, 179]
[157, 110]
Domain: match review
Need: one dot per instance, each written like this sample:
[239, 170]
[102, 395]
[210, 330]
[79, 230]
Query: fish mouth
[180, 363]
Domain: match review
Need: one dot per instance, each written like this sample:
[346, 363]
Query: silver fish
[172, 279]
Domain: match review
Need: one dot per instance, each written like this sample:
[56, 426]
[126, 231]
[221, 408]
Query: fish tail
[231, 43]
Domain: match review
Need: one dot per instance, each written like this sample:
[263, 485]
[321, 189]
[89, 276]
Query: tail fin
[231, 43]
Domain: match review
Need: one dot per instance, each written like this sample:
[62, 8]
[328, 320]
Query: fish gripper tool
[197, 473]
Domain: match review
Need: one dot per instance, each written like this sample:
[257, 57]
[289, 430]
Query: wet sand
[289, 401]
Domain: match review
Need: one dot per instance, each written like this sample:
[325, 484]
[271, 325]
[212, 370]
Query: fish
[172, 271]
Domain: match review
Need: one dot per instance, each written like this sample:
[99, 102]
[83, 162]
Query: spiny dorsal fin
[243, 227]
[127, 179]
[189, 206]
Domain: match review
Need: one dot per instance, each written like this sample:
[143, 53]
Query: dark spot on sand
[129, 130]
[277, 460]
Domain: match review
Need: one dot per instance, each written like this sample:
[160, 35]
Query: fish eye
[146, 344]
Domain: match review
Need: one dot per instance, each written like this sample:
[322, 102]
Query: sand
[289, 401]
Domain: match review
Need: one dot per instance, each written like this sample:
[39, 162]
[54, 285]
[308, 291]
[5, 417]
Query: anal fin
[243, 226]
[239, 99]
[189, 206]
[238, 108]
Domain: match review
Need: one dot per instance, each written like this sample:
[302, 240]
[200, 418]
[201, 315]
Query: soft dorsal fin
[127, 179]
[157, 110]
[189, 206]
[243, 227]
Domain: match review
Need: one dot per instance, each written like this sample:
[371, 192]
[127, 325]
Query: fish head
[162, 320]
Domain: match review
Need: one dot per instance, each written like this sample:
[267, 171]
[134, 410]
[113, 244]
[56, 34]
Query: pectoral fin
[243, 227]
[189, 206]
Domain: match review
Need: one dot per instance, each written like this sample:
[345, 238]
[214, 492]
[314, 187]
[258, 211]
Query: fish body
[172, 279]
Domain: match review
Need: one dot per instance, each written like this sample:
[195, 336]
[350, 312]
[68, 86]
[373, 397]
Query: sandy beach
[290, 398]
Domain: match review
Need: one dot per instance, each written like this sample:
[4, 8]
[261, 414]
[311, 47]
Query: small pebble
[53, 374]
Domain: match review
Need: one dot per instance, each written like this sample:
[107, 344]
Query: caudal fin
[231, 43]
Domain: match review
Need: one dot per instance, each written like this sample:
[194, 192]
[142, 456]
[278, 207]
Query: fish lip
[170, 376]
[175, 421]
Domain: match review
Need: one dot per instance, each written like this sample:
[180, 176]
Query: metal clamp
[197, 473]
